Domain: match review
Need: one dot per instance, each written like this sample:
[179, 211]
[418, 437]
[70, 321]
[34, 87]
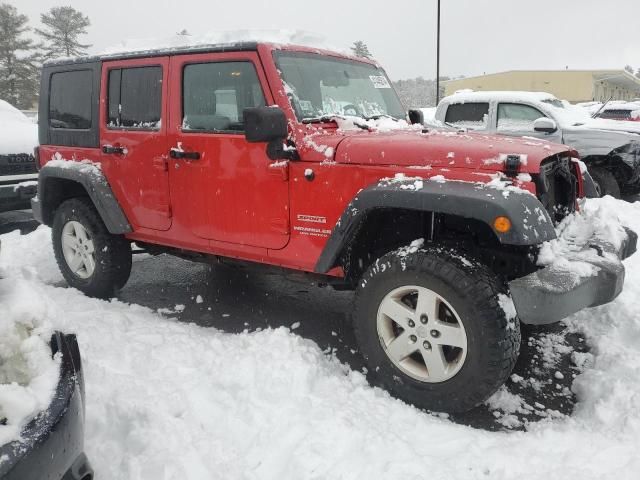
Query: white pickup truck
[609, 148]
[18, 175]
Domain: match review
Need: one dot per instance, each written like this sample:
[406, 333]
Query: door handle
[110, 149]
[178, 154]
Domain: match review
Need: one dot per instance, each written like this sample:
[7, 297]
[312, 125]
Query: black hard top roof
[160, 52]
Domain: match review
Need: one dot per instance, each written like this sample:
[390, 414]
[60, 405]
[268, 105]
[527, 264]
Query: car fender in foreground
[52, 445]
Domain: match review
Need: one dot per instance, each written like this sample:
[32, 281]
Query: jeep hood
[443, 149]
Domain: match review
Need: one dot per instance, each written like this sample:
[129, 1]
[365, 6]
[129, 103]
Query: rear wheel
[90, 258]
[432, 329]
[605, 182]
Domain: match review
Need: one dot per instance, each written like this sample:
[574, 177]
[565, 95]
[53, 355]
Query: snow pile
[597, 224]
[28, 373]
[173, 400]
[18, 134]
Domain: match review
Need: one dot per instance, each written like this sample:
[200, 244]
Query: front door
[133, 138]
[222, 187]
[516, 119]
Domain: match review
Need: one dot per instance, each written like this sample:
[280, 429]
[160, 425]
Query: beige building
[572, 85]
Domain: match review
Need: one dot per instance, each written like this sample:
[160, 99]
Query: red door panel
[135, 154]
[232, 192]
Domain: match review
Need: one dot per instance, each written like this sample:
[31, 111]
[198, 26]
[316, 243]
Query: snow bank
[597, 224]
[28, 373]
[18, 134]
[173, 400]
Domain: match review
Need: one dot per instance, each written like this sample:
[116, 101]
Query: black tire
[112, 253]
[606, 183]
[493, 340]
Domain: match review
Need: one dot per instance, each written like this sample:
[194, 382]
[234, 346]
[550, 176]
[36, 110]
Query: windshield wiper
[321, 119]
[381, 115]
[332, 118]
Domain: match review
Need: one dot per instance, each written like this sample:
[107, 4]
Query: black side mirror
[264, 124]
[545, 125]
[416, 117]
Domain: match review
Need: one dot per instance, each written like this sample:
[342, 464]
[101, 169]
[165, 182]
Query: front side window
[70, 95]
[135, 98]
[517, 117]
[472, 115]
[320, 86]
[214, 95]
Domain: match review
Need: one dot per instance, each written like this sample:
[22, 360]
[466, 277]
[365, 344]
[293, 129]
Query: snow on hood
[449, 149]
[18, 134]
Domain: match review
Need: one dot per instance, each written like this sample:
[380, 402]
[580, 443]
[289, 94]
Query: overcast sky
[477, 35]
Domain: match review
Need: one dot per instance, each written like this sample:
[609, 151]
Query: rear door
[222, 187]
[470, 115]
[133, 138]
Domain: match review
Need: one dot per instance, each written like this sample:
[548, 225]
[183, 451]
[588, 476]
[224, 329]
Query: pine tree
[63, 26]
[18, 60]
[629, 69]
[360, 49]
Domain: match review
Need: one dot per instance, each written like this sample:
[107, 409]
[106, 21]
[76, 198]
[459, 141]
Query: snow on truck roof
[237, 40]
[510, 96]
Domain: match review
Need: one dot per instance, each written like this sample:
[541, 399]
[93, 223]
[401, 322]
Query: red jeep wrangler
[302, 159]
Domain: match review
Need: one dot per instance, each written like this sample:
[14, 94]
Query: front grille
[17, 164]
[557, 186]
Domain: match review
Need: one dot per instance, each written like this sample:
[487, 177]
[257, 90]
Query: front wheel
[432, 328]
[606, 183]
[90, 258]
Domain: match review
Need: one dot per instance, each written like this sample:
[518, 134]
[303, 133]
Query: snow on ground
[170, 400]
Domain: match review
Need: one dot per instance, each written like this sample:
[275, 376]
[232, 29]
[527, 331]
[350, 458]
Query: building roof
[617, 77]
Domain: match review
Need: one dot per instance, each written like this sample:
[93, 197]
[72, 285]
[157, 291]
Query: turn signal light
[502, 224]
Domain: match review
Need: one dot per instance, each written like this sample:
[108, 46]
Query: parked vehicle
[52, 444]
[628, 111]
[610, 149]
[301, 159]
[18, 175]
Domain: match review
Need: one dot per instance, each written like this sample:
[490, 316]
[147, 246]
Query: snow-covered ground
[171, 400]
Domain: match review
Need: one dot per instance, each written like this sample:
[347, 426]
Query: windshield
[322, 86]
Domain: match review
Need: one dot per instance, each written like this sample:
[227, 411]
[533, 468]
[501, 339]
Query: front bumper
[16, 196]
[551, 294]
[52, 445]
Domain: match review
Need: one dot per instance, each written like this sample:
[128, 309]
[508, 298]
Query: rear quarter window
[472, 115]
[70, 100]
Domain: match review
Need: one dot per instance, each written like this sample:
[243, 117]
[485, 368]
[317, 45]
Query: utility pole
[438, 59]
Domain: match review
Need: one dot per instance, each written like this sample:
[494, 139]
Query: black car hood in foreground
[53, 442]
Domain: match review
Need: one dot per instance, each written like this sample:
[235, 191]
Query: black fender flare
[91, 178]
[531, 223]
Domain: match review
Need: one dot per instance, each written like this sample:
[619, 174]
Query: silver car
[609, 148]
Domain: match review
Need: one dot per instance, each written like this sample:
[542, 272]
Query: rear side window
[135, 98]
[468, 115]
[70, 98]
[214, 95]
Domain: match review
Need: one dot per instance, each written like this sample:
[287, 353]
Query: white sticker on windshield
[379, 81]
